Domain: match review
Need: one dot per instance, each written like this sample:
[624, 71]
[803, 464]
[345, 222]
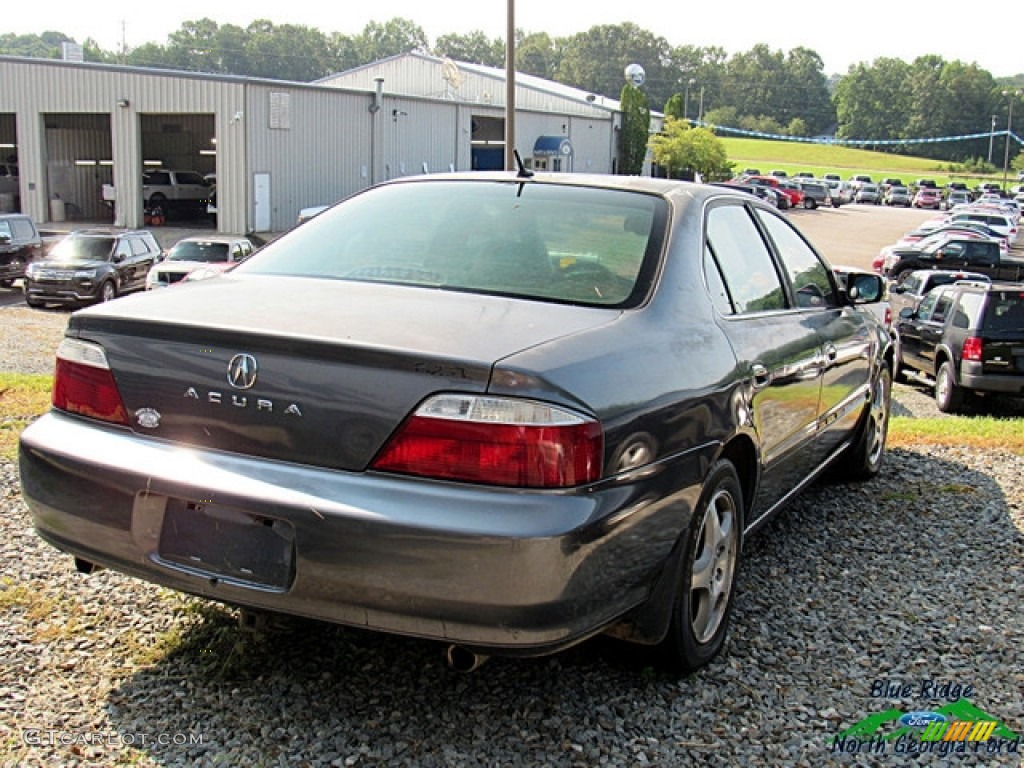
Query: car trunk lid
[310, 371]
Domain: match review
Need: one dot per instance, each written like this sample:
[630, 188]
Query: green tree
[680, 148]
[379, 41]
[537, 54]
[674, 106]
[474, 47]
[636, 124]
[594, 60]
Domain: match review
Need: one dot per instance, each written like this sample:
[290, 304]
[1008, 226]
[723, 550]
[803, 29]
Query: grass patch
[23, 398]
[986, 432]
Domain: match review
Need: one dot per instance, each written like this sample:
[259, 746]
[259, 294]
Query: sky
[842, 34]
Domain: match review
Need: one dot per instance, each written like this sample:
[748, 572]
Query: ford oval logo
[922, 719]
[242, 371]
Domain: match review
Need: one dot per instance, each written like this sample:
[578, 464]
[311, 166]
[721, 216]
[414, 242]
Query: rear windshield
[1005, 311]
[528, 239]
[196, 251]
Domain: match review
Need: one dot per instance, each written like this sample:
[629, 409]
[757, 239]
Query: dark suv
[90, 266]
[20, 244]
[969, 336]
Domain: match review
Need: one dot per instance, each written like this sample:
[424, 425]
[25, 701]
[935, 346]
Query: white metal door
[261, 202]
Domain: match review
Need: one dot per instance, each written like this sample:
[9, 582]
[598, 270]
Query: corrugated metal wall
[315, 144]
[311, 144]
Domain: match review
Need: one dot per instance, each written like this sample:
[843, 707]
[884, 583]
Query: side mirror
[865, 289]
[907, 313]
[119, 257]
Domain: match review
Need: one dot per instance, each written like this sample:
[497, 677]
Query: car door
[917, 331]
[142, 258]
[848, 336]
[124, 265]
[778, 353]
[952, 255]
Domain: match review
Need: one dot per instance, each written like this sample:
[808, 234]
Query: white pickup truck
[185, 191]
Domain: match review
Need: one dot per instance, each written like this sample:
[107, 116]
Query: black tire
[107, 292]
[35, 304]
[949, 397]
[6, 283]
[701, 611]
[810, 203]
[863, 459]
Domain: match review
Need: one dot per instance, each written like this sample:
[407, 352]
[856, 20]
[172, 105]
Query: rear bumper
[998, 384]
[503, 571]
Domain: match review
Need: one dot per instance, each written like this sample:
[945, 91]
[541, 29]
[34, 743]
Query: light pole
[991, 136]
[1012, 96]
[686, 100]
[700, 112]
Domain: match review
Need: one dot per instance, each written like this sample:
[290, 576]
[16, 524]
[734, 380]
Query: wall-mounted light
[85, 162]
[8, 146]
[396, 113]
[123, 103]
[154, 163]
[238, 116]
[208, 152]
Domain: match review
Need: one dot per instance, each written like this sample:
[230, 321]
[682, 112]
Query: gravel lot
[917, 576]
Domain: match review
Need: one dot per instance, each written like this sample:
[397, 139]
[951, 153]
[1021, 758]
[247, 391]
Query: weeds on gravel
[987, 432]
[23, 397]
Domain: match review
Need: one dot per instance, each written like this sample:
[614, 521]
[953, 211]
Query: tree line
[890, 102]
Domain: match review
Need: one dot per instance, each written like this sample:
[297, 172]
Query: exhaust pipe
[464, 660]
[84, 566]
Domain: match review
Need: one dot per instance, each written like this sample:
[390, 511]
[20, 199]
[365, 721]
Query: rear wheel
[810, 203]
[948, 396]
[704, 592]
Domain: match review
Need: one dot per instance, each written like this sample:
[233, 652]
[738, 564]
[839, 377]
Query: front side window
[743, 258]
[812, 284]
[549, 242]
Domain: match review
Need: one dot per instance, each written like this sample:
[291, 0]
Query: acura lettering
[241, 401]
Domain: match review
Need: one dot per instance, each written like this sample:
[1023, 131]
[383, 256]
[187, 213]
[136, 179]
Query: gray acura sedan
[504, 412]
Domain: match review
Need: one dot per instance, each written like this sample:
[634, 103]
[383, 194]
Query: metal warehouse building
[275, 146]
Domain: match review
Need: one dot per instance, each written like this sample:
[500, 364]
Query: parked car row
[92, 266]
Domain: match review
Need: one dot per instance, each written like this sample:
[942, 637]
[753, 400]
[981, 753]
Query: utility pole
[991, 136]
[1009, 129]
[510, 88]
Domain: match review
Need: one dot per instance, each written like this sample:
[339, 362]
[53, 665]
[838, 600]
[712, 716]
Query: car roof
[228, 239]
[668, 188]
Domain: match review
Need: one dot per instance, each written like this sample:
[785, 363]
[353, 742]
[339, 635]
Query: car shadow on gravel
[913, 577]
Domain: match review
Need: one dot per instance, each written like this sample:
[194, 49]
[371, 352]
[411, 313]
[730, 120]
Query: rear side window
[744, 261]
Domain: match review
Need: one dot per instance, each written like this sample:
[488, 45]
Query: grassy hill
[819, 159]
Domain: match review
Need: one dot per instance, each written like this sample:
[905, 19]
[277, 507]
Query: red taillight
[84, 384]
[496, 441]
[888, 317]
[972, 349]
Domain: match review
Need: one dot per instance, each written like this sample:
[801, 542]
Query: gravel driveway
[915, 579]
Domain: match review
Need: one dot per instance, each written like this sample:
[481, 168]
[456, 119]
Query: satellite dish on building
[451, 73]
[635, 75]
